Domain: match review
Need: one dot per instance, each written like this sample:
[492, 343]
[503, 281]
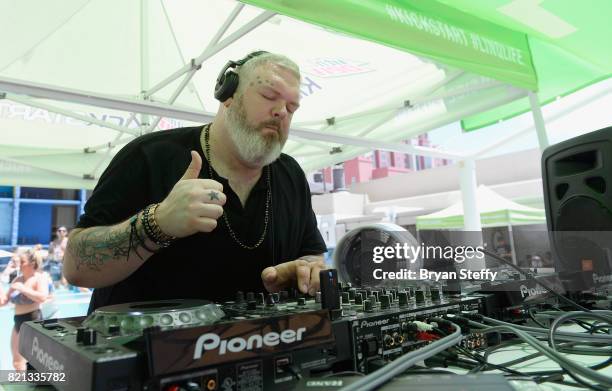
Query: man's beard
[253, 146]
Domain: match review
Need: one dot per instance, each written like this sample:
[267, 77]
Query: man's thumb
[193, 171]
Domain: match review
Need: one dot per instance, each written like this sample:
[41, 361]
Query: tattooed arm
[98, 256]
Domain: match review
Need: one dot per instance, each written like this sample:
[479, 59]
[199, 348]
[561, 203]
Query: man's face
[259, 116]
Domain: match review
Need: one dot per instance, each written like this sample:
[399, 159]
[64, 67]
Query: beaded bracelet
[139, 239]
[152, 229]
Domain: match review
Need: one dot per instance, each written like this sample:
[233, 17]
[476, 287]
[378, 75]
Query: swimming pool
[68, 304]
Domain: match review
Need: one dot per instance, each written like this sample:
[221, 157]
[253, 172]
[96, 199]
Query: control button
[420, 296]
[358, 299]
[270, 300]
[80, 332]
[90, 337]
[301, 301]
[403, 299]
[239, 297]
[113, 329]
[250, 296]
[251, 305]
[370, 347]
[368, 305]
[345, 298]
[385, 302]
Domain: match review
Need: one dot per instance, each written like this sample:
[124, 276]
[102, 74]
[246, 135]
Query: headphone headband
[227, 81]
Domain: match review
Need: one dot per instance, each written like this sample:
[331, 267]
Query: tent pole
[45, 91]
[551, 118]
[471, 217]
[210, 51]
[144, 61]
[422, 127]
[538, 120]
[472, 229]
[511, 242]
[85, 118]
[336, 138]
[15, 222]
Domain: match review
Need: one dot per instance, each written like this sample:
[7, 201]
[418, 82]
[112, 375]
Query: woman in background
[27, 292]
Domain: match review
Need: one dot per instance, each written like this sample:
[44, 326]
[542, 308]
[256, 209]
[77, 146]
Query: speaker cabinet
[577, 176]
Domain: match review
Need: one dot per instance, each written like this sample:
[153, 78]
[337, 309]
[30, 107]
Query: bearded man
[203, 212]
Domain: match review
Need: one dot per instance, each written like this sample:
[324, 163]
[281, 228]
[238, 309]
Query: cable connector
[422, 326]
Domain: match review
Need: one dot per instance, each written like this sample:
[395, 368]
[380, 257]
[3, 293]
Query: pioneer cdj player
[256, 342]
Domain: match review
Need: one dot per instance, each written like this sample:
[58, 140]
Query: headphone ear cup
[227, 85]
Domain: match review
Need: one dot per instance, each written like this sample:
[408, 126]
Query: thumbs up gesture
[193, 205]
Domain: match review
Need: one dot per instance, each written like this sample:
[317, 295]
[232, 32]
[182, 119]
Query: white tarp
[356, 95]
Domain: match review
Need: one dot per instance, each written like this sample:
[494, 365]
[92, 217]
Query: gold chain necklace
[225, 219]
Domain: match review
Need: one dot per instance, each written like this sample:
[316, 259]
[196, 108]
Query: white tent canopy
[494, 210]
[83, 77]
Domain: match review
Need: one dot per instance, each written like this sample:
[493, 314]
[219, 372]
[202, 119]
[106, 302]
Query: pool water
[65, 304]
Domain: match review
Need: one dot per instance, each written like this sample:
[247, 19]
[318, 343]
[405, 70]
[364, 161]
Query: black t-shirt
[204, 265]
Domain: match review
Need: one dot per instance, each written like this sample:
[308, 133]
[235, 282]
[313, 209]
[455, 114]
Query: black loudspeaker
[227, 81]
[577, 176]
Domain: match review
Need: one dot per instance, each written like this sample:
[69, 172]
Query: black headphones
[227, 81]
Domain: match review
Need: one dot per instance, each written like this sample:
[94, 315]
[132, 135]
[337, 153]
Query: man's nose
[279, 111]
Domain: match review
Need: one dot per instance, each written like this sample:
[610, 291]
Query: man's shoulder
[289, 163]
[176, 135]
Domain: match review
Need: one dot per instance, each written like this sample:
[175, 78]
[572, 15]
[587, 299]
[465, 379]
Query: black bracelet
[140, 240]
[152, 229]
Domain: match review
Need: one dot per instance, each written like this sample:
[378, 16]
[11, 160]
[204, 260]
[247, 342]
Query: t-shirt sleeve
[121, 190]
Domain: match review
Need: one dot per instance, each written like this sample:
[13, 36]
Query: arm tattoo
[99, 245]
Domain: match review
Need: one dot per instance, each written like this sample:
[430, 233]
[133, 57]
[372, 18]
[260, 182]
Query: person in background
[27, 292]
[10, 271]
[57, 248]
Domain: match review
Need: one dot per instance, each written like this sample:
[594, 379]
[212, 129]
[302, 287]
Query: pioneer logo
[212, 341]
[602, 279]
[45, 358]
[381, 322]
[531, 291]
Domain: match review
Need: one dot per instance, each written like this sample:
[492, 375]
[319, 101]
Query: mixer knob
[420, 296]
[239, 297]
[250, 296]
[251, 305]
[90, 337]
[351, 293]
[261, 299]
[385, 302]
[368, 305]
[301, 301]
[403, 299]
[375, 295]
[80, 332]
[270, 300]
[358, 298]
[345, 298]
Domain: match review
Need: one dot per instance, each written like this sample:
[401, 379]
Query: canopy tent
[83, 77]
[495, 211]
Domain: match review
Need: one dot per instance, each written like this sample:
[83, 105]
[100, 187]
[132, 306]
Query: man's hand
[193, 205]
[18, 286]
[302, 271]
